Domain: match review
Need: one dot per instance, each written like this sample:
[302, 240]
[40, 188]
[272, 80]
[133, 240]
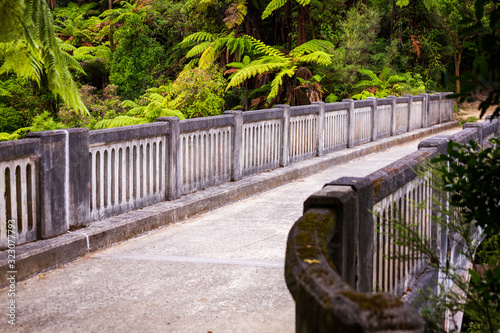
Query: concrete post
[425, 110]
[53, 177]
[362, 228]
[344, 201]
[410, 111]
[285, 135]
[321, 128]
[237, 153]
[350, 123]
[393, 114]
[439, 107]
[374, 119]
[479, 129]
[79, 177]
[172, 158]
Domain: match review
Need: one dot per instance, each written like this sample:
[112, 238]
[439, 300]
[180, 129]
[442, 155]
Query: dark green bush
[10, 119]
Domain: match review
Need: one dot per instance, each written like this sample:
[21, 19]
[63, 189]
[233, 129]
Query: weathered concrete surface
[220, 272]
[37, 256]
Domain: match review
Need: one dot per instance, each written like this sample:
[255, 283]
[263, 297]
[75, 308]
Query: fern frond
[236, 64]
[200, 36]
[129, 104]
[154, 97]
[177, 102]
[278, 81]
[272, 6]
[197, 49]
[368, 73]
[153, 110]
[172, 113]
[67, 47]
[207, 57]
[235, 14]
[252, 70]
[103, 52]
[136, 111]
[318, 57]
[119, 122]
[365, 84]
[311, 46]
[396, 78]
[4, 92]
[303, 2]
[266, 49]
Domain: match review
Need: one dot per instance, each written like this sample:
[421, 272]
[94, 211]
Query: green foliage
[105, 105]
[385, 84]
[470, 217]
[356, 40]
[44, 122]
[202, 91]
[119, 122]
[29, 48]
[17, 134]
[273, 60]
[276, 4]
[10, 119]
[235, 14]
[136, 58]
[485, 74]
[468, 166]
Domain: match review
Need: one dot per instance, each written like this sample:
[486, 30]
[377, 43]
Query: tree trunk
[457, 57]
[394, 16]
[288, 24]
[313, 35]
[110, 4]
[302, 32]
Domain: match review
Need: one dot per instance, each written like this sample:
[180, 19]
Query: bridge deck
[221, 271]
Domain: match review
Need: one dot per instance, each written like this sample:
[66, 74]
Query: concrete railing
[62, 180]
[335, 256]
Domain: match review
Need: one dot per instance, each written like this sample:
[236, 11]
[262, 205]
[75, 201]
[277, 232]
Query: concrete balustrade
[62, 180]
[19, 182]
[127, 169]
[341, 250]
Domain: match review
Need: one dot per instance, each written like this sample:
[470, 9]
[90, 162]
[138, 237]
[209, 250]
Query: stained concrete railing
[335, 257]
[67, 179]
[127, 167]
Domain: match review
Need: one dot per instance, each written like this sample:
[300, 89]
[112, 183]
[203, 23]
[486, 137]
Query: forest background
[128, 62]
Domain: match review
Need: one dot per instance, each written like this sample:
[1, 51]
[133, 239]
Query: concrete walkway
[221, 271]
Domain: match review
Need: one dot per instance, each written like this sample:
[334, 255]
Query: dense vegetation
[110, 63]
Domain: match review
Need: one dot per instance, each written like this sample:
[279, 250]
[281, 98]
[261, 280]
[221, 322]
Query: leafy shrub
[203, 91]
[136, 58]
[10, 119]
[44, 122]
[106, 105]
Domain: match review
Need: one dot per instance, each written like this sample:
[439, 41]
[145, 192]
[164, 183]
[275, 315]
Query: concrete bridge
[220, 271]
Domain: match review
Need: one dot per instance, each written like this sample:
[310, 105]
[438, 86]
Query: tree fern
[274, 60]
[31, 20]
